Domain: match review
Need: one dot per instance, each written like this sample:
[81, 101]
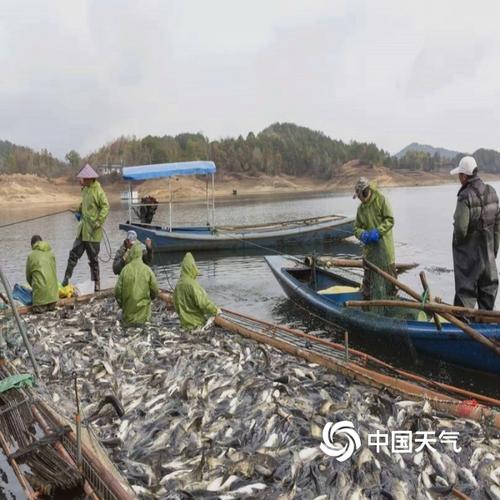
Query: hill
[282, 148]
[430, 150]
[24, 160]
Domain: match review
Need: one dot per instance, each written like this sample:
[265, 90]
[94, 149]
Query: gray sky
[78, 73]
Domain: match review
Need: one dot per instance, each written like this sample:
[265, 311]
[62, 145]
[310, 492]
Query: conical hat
[87, 172]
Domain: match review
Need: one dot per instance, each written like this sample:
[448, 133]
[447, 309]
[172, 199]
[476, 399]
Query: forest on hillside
[282, 148]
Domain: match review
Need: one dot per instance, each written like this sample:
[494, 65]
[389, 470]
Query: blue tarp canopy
[159, 170]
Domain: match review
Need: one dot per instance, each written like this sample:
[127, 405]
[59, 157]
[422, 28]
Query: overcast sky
[78, 73]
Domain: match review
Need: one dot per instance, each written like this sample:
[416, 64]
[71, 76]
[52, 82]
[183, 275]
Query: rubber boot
[65, 281]
[97, 286]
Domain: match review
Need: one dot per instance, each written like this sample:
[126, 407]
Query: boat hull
[451, 344]
[264, 237]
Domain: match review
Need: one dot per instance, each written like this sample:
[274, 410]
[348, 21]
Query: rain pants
[41, 274]
[135, 289]
[190, 299]
[376, 213]
[94, 209]
[476, 238]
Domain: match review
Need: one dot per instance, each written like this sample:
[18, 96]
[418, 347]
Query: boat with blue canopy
[326, 291]
[168, 237]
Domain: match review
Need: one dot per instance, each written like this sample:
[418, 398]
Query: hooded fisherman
[136, 287]
[476, 237]
[373, 227]
[41, 275]
[121, 254]
[91, 215]
[190, 299]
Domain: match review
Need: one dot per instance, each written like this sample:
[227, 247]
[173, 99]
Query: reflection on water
[242, 281]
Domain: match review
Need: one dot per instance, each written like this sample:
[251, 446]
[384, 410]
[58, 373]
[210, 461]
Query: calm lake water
[422, 234]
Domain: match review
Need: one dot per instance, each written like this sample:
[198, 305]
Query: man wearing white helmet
[476, 238]
[120, 259]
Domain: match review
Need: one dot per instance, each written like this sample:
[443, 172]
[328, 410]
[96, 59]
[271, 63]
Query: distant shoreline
[19, 190]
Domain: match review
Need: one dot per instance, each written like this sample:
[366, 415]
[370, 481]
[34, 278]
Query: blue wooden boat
[275, 235]
[305, 285]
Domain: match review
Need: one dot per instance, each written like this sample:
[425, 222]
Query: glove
[365, 237]
[374, 235]
[78, 216]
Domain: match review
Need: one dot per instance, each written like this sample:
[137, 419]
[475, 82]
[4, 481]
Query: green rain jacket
[190, 299]
[41, 274]
[376, 213]
[94, 209]
[135, 289]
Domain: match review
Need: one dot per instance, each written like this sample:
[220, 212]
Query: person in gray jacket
[476, 238]
[119, 260]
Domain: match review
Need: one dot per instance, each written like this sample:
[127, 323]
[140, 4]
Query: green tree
[74, 159]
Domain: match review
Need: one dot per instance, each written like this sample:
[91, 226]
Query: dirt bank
[19, 189]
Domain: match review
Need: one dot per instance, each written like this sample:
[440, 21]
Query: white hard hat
[466, 166]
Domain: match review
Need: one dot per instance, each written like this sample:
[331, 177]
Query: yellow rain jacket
[94, 209]
[190, 299]
[136, 287]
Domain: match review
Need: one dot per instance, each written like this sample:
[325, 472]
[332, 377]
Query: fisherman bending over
[476, 238]
[373, 227]
[190, 299]
[91, 215]
[42, 276]
[121, 254]
[136, 287]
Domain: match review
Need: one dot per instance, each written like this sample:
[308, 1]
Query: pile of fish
[211, 414]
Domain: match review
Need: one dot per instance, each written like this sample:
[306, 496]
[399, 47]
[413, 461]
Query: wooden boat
[304, 285]
[166, 237]
[278, 235]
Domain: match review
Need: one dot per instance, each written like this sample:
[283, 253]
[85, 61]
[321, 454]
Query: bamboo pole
[475, 335]
[355, 263]
[28, 490]
[20, 324]
[430, 308]
[425, 285]
[437, 400]
[362, 356]
[118, 489]
[70, 301]
[225, 322]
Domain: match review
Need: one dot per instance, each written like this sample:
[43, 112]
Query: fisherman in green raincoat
[136, 287]
[373, 227]
[41, 275]
[190, 299]
[91, 215]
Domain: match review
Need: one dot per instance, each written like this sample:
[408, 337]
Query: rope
[267, 249]
[34, 218]
[107, 245]
[107, 248]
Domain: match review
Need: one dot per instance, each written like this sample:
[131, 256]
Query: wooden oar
[356, 263]
[452, 319]
[427, 290]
